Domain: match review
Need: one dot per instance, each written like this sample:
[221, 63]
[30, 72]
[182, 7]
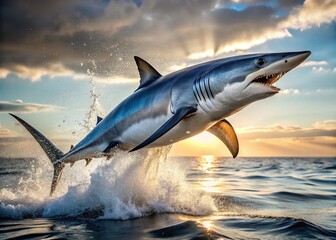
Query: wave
[294, 196]
[184, 230]
[269, 226]
[323, 181]
[235, 226]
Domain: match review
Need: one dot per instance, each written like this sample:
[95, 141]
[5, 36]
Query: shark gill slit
[200, 89]
[198, 94]
[207, 76]
[204, 83]
[195, 94]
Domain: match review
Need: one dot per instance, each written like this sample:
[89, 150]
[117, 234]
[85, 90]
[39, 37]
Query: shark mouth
[268, 80]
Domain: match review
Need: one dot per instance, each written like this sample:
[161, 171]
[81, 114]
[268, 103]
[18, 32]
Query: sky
[64, 62]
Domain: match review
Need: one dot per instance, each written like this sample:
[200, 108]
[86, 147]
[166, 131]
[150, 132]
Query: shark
[166, 109]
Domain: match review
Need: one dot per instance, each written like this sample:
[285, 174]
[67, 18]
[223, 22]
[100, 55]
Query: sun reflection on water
[206, 224]
[209, 184]
[207, 162]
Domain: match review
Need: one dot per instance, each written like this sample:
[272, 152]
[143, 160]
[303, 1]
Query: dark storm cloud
[289, 3]
[37, 35]
[242, 20]
[6, 107]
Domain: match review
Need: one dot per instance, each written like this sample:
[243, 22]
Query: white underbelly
[140, 131]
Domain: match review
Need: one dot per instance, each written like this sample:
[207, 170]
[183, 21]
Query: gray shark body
[171, 108]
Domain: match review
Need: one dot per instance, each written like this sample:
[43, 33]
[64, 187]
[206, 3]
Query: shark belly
[139, 131]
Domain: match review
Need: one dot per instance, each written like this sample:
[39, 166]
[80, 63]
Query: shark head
[268, 69]
[242, 80]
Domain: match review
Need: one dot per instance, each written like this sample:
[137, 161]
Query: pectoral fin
[173, 121]
[225, 132]
[110, 146]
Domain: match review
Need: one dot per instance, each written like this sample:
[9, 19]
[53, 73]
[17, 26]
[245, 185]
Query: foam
[129, 186]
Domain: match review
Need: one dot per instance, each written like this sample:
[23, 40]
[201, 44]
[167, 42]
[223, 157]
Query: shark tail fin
[49, 148]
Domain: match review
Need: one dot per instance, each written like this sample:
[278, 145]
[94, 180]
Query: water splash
[95, 108]
[129, 186]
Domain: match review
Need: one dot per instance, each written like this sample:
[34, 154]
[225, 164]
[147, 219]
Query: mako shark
[166, 109]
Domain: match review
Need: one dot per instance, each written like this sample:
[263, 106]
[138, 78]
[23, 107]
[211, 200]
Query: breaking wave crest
[130, 185]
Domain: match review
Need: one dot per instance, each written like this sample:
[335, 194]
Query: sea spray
[122, 188]
[95, 109]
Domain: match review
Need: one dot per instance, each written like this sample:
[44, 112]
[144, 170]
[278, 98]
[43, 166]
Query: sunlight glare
[209, 185]
[207, 224]
[206, 162]
[204, 138]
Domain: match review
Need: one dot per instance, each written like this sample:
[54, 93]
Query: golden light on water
[207, 162]
[207, 224]
[209, 184]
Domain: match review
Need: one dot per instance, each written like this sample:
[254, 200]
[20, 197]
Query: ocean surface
[146, 195]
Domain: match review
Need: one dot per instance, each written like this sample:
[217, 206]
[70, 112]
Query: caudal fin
[49, 148]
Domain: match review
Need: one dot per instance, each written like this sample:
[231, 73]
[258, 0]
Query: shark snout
[294, 59]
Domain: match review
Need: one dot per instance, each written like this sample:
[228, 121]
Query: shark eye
[260, 62]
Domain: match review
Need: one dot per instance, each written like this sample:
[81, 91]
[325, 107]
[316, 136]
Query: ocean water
[147, 195]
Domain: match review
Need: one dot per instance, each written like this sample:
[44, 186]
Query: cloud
[4, 72]
[313, 63]
[327, 124]
[36, 73]
[324, 70]
[62, 38]
[302, 146]
[290, 140]
[20, 106]
[290, 91]
[319, 66]
[312, 13]
[5, 133]
[325, 128]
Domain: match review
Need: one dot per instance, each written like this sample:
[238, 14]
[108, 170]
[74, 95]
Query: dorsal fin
[148, 74]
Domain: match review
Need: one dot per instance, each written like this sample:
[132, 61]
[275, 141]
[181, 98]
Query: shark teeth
[268, 80]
